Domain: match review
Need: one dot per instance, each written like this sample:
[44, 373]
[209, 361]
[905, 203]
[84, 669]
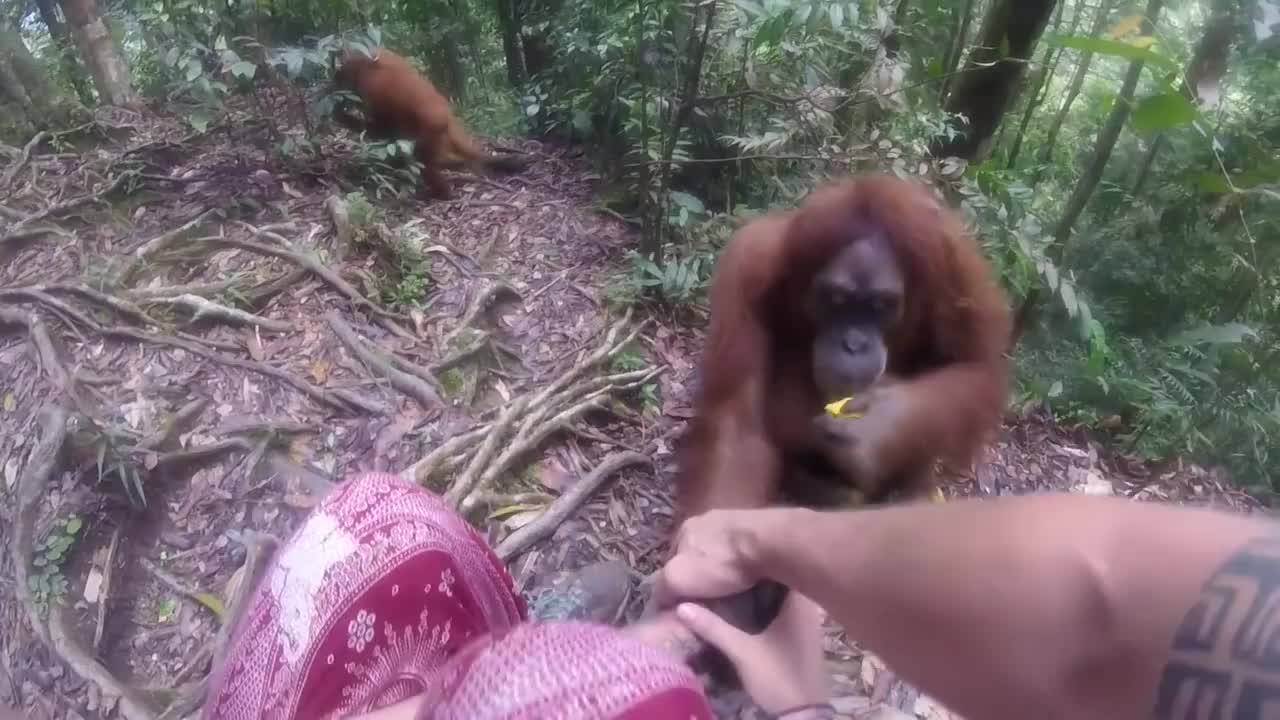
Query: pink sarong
[384, 593]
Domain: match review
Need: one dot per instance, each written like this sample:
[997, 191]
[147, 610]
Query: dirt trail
[220, 354]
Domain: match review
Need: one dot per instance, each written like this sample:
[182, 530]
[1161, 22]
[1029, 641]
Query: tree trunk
[992, 73]
[66, 49]
[509, 26]
[1204, 73]
[446, 68]
[1039, 85]
[1102, 148]
[1073, 91]
[696, 52]
[28, 73]
[98, 49]
[955, 48]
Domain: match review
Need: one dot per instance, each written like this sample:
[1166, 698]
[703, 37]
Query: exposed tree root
[312, 264]
[564, 506]
[488, 452]
[159, 243]
[12, 172]
[45, 459]
[481, 303]
[338, 399]
[67, 206]
[409, 384]
[202, 308]
[50, 359]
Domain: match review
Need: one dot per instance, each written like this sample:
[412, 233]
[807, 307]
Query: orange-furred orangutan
[873, 290]
[401, 104]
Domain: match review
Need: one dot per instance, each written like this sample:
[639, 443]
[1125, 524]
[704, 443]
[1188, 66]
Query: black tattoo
[1226, 653]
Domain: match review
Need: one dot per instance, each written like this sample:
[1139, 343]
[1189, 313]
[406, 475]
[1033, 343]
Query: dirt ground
[196, 429]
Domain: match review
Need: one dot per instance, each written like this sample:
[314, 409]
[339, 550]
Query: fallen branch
[104, 590]
[378, 362]
[341, 400]
[202, 308]
[568, 503]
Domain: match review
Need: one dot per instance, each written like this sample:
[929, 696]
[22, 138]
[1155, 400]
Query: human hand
[782, 667]
[711, 558]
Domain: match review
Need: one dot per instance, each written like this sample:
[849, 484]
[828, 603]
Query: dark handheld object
[751, 611]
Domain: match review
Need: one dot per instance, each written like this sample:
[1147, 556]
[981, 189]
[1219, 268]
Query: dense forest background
[1118, 160]
[216, 303]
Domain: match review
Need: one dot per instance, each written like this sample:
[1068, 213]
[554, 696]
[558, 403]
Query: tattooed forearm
[1225, 659]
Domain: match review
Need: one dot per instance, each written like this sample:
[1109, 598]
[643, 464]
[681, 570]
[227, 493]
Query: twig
[201, 289]
[202, 308]
[104, 590]
[567, 504]
[22, 161]
[457, 358]
[376, 361]
[337, 399]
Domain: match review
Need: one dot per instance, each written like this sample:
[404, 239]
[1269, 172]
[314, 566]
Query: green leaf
[1161, 112]
[74, 523]
[1114, 48]
[750, 7]
[199, 120]
[193, 69]
[245, 70]
[1211, 183]
[688, 201]
[1056, 389]
[210, 601]
[836, 11]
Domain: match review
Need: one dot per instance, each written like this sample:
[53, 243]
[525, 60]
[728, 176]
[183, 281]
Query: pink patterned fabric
[385, 593]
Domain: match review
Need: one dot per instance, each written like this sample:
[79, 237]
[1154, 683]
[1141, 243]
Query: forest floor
[223, 353]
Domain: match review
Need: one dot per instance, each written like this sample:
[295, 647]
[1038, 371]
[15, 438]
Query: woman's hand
[782, 667]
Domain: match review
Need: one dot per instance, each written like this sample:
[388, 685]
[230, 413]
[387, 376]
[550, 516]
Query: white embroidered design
[299, 577]
[360, 630]
[396, 655]
[446, 582]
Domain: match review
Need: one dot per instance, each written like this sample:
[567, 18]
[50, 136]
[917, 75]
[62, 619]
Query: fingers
[688, 576]
[712, 630]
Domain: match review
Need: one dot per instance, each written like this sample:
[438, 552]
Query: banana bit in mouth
[836, 409]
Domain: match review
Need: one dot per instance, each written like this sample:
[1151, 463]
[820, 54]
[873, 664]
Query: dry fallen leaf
[253, 342]
[320, 370]
[553, 476]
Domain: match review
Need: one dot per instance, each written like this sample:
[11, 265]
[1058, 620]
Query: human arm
[1047, 606]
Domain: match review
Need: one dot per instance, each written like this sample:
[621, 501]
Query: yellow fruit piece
[836, 409]
[936, 496]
